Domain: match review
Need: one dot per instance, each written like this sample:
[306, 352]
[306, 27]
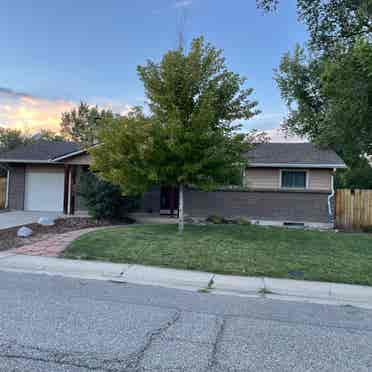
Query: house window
[294, 179]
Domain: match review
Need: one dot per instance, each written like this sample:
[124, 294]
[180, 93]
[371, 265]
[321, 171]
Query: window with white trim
[295, 179]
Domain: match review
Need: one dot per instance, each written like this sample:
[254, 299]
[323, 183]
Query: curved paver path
[55, 245]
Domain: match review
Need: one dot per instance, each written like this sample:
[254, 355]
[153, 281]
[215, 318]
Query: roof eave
[296, 165]
[69, 155]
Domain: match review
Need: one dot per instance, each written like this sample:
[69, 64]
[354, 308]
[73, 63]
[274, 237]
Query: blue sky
[56, 53]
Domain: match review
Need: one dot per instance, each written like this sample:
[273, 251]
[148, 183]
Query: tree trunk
[180, 210]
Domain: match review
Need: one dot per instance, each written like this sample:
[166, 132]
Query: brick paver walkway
[55, 245]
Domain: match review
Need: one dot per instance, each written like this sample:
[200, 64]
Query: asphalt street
[59, 324]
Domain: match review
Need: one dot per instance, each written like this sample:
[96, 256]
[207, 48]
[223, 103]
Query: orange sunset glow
[31, 114]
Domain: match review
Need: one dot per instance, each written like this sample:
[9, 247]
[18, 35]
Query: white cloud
[277, 135]
[182, 3]
[27, 112]
[271, 123]
[266, 121]
[115, 105]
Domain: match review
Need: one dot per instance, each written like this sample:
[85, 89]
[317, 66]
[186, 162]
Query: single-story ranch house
[284, 183]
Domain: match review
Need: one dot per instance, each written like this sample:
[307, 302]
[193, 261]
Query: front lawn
[235, 249]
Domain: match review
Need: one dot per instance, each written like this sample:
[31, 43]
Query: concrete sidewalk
[282, 289]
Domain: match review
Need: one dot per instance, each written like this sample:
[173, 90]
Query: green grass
[233, 249]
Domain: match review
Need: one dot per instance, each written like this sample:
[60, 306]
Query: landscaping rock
[46, 221]
[24, 232]
[195, 221]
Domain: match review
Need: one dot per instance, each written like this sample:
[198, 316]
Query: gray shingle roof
[293, 153]
[40, 151]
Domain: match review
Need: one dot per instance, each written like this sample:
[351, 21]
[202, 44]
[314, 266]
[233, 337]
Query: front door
[169, 200]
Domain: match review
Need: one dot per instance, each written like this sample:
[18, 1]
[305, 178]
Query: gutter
[26, 161]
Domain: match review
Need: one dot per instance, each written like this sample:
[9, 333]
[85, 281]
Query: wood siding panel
[262, 178]
[83, 159]
[269, 178]
[320, 179]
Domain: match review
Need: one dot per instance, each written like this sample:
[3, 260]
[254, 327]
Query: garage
[44, 188]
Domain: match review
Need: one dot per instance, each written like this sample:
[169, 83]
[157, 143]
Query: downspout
[330, 197]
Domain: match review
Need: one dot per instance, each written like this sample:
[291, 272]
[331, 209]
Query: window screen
[294, 179]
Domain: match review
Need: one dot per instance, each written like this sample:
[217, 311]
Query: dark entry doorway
[169, 200]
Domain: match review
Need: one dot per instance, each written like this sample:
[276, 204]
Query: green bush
[367, 229]
[242, 221]
[216, 220]
[104, 200]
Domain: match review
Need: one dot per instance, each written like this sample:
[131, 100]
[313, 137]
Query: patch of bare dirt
[9, 238]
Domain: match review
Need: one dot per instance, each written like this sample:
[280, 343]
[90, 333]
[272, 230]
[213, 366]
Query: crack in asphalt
[136, 358]
[43, 360]
[213, 359]
[74, 359]
[231, 316]
[14, 350]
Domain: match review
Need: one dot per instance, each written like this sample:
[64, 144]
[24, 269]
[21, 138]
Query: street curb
[258, 287]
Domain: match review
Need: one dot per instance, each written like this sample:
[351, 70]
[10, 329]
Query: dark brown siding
[17, 187]
[150, 202]
[260, 205]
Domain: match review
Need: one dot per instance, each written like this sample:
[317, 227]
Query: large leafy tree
[328, 87]
[81, 124]
[331, 22]
[191, 136]
[330, 100]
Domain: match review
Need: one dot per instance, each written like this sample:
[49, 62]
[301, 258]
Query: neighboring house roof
[40, 152]
[293, 155]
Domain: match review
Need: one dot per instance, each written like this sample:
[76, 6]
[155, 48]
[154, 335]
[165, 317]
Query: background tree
[47, 135]
[331, 22]
[81, 124]
[330, 100]
[11, 138]
[191, 136]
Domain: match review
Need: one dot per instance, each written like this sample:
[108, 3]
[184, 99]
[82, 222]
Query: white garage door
[44, 189]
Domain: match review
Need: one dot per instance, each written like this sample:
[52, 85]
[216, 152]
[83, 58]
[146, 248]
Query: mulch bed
[9, 238]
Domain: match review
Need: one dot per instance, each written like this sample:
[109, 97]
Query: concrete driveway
[19, 218]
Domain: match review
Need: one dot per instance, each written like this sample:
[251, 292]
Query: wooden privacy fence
[2, 192]
[353, 209]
